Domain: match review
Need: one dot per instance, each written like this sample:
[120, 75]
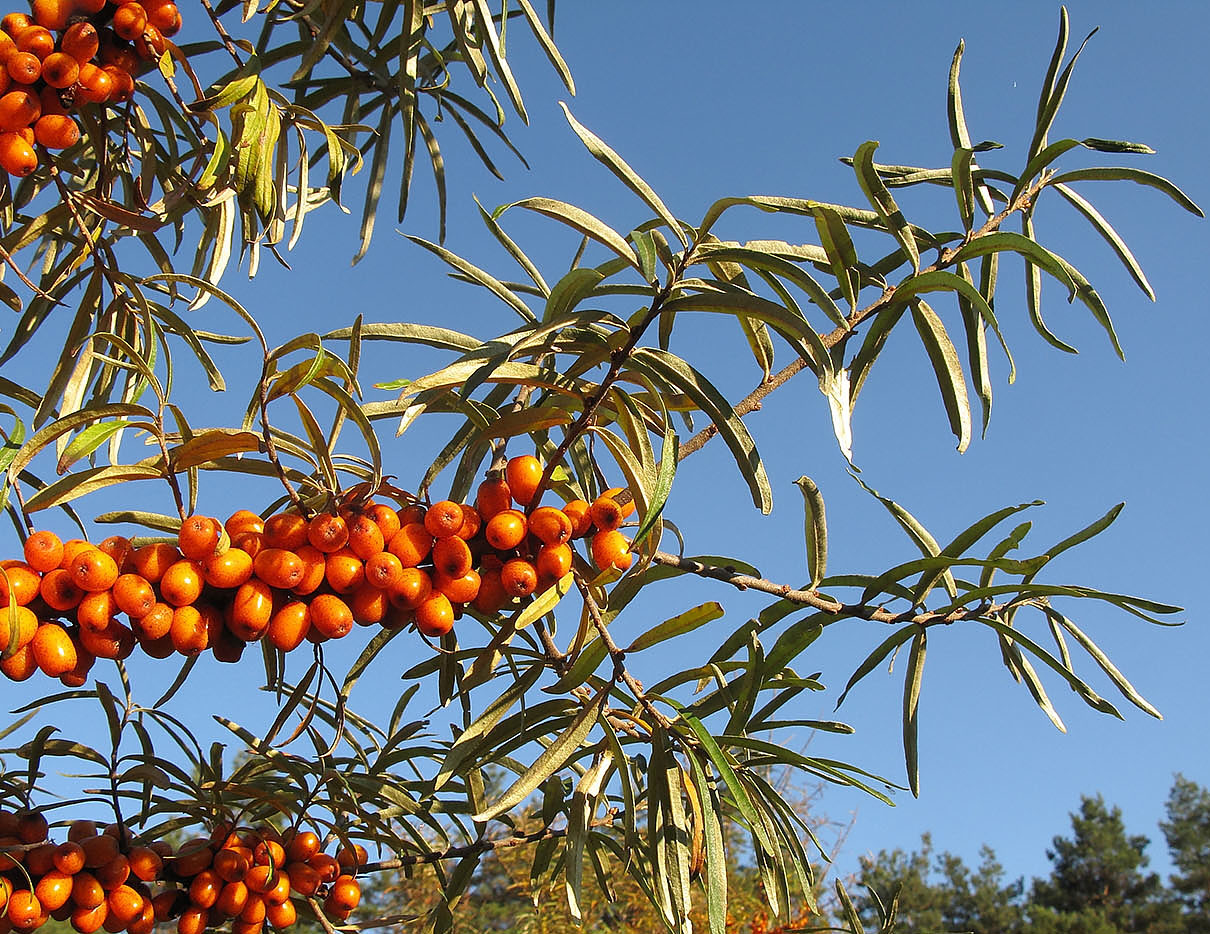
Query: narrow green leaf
[911, 706]
[677, 626]
[875, 658]
[585, 223]
[1111, 236]
[1120, 681]
[880, 197]
[1126, 174]
[947, 368]
[815, 530]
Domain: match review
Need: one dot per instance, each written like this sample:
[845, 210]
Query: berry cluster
[99, 878]
[290, 579]
[67, 54]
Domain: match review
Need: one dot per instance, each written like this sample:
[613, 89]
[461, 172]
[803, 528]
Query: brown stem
[812, 598]
[752, 401]
[267, 435]
[228, 43]
[618, 655]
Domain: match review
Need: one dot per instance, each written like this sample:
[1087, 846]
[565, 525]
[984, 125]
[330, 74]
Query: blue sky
[705, 101]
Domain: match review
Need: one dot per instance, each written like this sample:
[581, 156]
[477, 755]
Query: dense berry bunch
[289, 579]
[99, 878]
[68, 54]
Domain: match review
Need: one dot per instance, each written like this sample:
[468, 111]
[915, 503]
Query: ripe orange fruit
[278, 568]
[53, 890]
[282, 914]
[15, 23]
[24, 67]
[232, 899]
[55, 654]
[581, 520]
[60, 70]
[345, 894]
[113, 874]
[285, 530]
[134, 595]
[462, 589]
[93, 570]
[344, 571]
[189, 631]
[43, 551]
[120, 549]
[412, 588]
[24, 909]
[151, 561]
[506, 530]
[69, 857]
[205, 887]
[331, 616]
[192, 857]
[155, 623]
[327, 867]
[518, 577]
[443, 518]
[523, 474]
[492, 596]
[88, 920]
[302, 845]
[193, 920]
[611, 508]
[550, 525]
[385, 518]
[32, 827]
[243, 520]
[99, 850]
[199, 536]
[37, 40]
[383, 570]
[81, 42]
[251, 610]
[413, 512]
[125, 904]
[315, 567]
[26, 627]
[269, 853]
[435, 616]
[145, 863]
[41, 859]
[166, 17]
[328, 533]
[365, 537]
[553, 561]
[114, 641]
[368, 605]
[452, 556]
[227, 647]
[493, 496]
[19, 583]
[231, 866]
[96, 610]
[59, 591]
[228, 570]
[611, 549]
[53, 14]
[290, 625]
[182, 583]
[411, 544]
[129, 21]
[472, 522]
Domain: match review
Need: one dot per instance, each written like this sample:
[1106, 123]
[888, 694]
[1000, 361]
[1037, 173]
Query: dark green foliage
[1187, 831]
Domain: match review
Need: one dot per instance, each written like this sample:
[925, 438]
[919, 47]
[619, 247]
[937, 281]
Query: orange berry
[19, 583]
[553, 561]
[15, 23]
[120, 549]
[54, 651]
[93, 570]
[492, 596]
[122, 88]
[506, 530]
[365, 537]
[182, 583]
[344, 571]
[327, 867]
[523, 474]
[290, 625]
[282, 914]
[151, 561]
[251, 610]
[129, 21]
[199, 536]
[550, 525]
[493, 496]
[53, 890]
[155, 623]
[88, 920]
[331, 616]
[385, 518]
[368, 605]
[302, 845]
[228, 570]
[114, 641]
[43, 551]
[86, 891]
[192, 857]
[205, 887]
[345, 894]
[443, 518]
[611, 549]
[60, 70]
[125, 904]
[99, 849]
[413, 512]
[231, 866]
[412, 588]
[383, 570]
[435, 616]
[190, 632]
[411, 544]
[278, 568]
[81, 42]
[24, 67]
[328, 533]
[37, 40]
[472, 522]
[26, 627]
[232, 899]
[17, 157]
[611, 508]
[462, 589]
[166, 17]
[519, 577]
[69, 857]
[32, 827]
[285, 530]
[53, 14]
[114, 873]
[58, 591]
[581, 520]
[452, 556]
[243, 520]
[134, 595]
[24, 910]
[193, 920]
[145, 863]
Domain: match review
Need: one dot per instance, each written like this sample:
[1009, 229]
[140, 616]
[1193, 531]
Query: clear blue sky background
[707, 100]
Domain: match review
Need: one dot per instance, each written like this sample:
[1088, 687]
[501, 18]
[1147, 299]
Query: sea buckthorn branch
[752, 401]
[812, 598]
[609, 819]
[617, 655]
[617, 360]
